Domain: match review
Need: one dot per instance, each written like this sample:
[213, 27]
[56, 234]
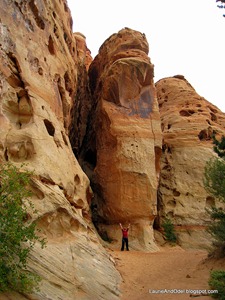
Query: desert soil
[181, 272]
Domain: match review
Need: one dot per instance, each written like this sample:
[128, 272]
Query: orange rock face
[38, 82]
[127, 135]
[188, 122]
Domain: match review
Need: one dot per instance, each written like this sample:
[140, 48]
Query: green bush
[169, 231]
[17, 233]
[217, 282]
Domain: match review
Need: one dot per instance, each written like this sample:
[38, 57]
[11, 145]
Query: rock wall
[123, 146]
[188, 122]
[39, 59]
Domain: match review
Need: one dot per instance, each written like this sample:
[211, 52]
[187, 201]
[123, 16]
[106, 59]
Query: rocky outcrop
[188, 122]
[123, 148]
[38, 83]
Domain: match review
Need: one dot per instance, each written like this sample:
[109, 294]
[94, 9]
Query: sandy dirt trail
[171, 268]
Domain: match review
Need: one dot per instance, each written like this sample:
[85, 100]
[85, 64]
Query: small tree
[217, 282]
[169, 230]
[17, 232]
[214, 182]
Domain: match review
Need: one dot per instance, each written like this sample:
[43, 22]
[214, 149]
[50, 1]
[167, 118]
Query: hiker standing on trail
[124, 236]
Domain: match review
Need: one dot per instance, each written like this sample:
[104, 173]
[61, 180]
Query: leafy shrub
[214, 182]
[169, 231]
[217, 282]
[17, 233]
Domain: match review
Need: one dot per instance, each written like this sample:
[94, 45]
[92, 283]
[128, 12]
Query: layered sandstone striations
[123, 146]
[188, 122]
[38, 84]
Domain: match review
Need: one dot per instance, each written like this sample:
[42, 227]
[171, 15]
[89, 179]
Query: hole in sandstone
[77, 179]
[210, 202]
[176, 193]
[169, 126]
[204, 135]
[186, 113]
[40, 71]
[213, 117]
[213, 110]
[50, 128]
[51, 47]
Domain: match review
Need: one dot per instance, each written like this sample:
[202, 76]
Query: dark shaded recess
[205, 135]
[156, 223]
[93, 76]
[213, 117]
[40, 23]
[15, 80]
[50, 128]
[187, 113]
[210, 202]
[51, 47]
[91, 157]
[80, 112]
[68, 83]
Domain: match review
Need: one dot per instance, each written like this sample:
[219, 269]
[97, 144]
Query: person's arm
[128, 226]
[121, 226]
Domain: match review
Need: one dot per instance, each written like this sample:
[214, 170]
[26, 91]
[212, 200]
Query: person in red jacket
[124, 237]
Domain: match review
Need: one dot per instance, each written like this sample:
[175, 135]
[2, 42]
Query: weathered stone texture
[188, 122]
[123, 150]
[38, 83]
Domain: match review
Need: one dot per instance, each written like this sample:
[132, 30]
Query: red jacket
[125, 232]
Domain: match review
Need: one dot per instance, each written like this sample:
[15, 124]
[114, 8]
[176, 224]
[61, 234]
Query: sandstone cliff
[188, 122]
[39, 58]
[143, 147]
[123, 146]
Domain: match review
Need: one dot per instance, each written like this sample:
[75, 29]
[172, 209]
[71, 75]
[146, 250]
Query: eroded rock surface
[124, 143]
[188, 122]
[38, 83]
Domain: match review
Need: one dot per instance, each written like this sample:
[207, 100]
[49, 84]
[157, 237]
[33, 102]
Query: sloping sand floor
[172, 268]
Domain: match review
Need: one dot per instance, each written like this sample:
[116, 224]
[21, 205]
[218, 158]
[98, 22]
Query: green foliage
[217, 282]
[17, 233]
[169, 230]
[219, 147]
[214, 182]
[214, 178]
[217, 227]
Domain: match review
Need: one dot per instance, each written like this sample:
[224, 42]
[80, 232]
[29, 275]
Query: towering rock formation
[188, 122]
[38, 82]
[123, 148]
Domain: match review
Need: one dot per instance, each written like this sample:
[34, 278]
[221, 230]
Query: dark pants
[124, 241]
